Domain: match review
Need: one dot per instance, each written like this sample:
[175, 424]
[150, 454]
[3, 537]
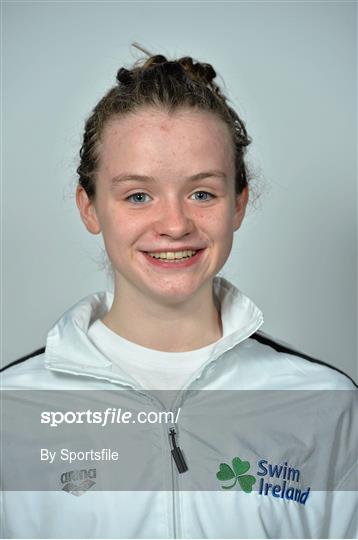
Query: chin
[176, 294]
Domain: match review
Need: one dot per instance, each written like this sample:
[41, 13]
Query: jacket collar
[70, 350]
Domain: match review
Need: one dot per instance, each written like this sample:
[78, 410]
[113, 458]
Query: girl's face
[165, 185]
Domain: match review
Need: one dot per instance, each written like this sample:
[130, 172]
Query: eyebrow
[121, 178]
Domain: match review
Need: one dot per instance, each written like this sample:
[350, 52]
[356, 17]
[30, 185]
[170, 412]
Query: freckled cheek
[123, 229]
[219, 224]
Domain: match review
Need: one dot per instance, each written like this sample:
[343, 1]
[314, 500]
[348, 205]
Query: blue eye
[204, 196]
[137, 198]
[140, 197]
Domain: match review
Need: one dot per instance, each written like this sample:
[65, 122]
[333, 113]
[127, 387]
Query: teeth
[172, 255]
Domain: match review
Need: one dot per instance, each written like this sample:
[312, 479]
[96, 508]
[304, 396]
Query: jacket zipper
[177, 453]
[173, 496]
[178, 466]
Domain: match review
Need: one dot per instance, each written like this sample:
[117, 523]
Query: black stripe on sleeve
[23, 358]
[268, 340]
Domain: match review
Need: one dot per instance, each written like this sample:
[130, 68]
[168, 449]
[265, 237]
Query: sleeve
[341, 508]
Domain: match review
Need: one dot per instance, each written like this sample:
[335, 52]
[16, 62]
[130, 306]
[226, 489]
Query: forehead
[184, 139]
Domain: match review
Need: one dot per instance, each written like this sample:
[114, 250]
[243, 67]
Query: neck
[190, 325]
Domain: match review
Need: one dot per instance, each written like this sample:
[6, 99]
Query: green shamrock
[238, 470]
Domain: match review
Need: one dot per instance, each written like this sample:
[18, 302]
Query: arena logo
[236, 473]
[84, 476]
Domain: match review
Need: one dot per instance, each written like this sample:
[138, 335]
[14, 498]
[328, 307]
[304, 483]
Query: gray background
[290, 70]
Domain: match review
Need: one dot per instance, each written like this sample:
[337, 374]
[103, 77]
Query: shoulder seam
[23, 358]
[268, 340]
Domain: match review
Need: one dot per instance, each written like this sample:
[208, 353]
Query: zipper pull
[177, 453]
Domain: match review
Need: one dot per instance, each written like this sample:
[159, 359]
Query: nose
[173, 220]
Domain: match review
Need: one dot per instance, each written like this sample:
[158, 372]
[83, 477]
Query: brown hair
[168, 85]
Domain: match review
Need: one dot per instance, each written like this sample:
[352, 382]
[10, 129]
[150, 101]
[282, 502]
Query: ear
[240, 207]
[87, 211]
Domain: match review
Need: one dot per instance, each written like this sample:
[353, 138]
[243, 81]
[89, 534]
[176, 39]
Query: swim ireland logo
[265, 471]
[238, 470]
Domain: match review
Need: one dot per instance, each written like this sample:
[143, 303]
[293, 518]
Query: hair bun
[124, 76]
[159, 62]
[201, 72]
[155, 60]
[204, 72]
[208, 72]
[174, 68]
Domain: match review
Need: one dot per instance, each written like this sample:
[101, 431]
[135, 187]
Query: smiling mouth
[173, 255]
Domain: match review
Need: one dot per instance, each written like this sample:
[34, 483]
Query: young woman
[162, 177]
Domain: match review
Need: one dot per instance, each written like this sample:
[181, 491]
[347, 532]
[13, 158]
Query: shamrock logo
[238, 470]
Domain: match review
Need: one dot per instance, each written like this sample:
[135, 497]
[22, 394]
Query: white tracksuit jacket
[238, 363]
